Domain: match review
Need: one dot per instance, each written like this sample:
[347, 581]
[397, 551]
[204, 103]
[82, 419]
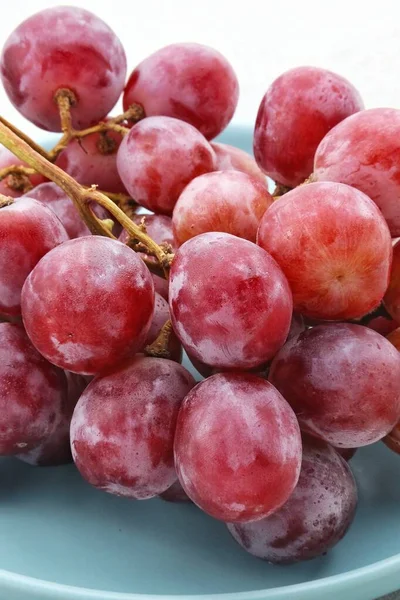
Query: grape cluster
[282, 300]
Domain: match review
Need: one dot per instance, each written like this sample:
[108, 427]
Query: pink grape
[191, 82]
[32, 392]
[160, 286]
[237, 447]
[93, 160]
[316, 516]
[392, 296]
[229, 157]
[175, 493]
[363, 151]
[297, 111]
[88, 304]
[7, 159]
[56, 449]
[331, 241]
[160, 316]
[230, 302]
[28, 230]
[122, 442]
[228, 201]
[342, 381]
[159, 157]
[63, 47]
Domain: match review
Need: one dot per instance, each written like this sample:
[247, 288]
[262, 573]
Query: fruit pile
[288, 303]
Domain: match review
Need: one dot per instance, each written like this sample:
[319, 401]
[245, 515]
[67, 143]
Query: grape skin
[158, 158]
[28, 230]
[229, 157]
[56, 449]
[32, 392]
[363, 151]
[190, 82]
[59, 47]
[122, 442]
[342, 381]
[88, 304]
[316, 516]
[84, 160]
[237, 447]
[297, 111]
[230, 303]
[331, 241]
[392, 296]
[229, 201]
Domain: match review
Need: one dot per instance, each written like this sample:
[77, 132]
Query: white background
[261, 38]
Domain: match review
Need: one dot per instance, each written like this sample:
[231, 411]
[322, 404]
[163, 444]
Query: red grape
[88, 304]
[228, 201]
[331, 241]
[392, 296]
[53, 196]
[175, 493]
[159, 228]
[316, 516]
[32, 392]
[298, 110]
[93, 160]
[160, 316]
[381, 324]
[63, 47]
[363, 152]
[191, 82]
[159, 157]
[342, 381]
[394, 338]
[123, 427]
[230, 303]
[229, 157]
[28, 230]
[237, 447]
[7, 159]
[160, 286]
[56, 449]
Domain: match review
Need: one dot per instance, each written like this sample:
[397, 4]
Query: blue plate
[60, 539]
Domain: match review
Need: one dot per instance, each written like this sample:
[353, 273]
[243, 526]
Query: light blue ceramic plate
[60, 539]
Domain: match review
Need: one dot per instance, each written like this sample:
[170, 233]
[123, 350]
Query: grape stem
[5, 200]
[66, 100]
[159, 348]
[83, 197]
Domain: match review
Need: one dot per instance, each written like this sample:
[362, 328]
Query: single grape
[316, 516]
[12, 185]
[56, 449]
[93, 160]
[160, 316]
[342, 381]
[28, 230]
[228, 201]
[32, 392]
[237, 447]
[230, 303]
[88, 304]
[175, 493]
[122, 442]
[229, 157]
[392, 296]
[159, 228]
[58, 48]
[160, 286]
[190, 82]
[331, 242]
[159, 157]
[363, 151]
[297, 111]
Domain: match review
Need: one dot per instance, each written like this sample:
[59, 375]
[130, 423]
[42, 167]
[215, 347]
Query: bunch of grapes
[137, 237]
